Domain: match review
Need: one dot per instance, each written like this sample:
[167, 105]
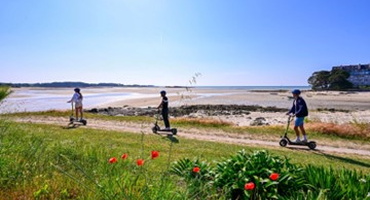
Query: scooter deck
[157, 129]
[299, 143]
[83, 122]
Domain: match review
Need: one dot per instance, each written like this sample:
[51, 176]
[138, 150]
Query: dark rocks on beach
[259, 121]
[187, 110]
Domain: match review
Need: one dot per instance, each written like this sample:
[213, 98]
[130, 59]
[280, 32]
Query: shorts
[299, 121]
[78, 104]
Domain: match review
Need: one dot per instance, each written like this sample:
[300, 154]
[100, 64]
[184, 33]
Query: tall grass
[4, 92]
[353, 130]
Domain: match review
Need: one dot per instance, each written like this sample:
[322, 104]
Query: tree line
[336, 79]
[70, 84]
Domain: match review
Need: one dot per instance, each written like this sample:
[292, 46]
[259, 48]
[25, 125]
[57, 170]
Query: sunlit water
[41, 100]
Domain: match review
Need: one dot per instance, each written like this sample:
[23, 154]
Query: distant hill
[71, 84]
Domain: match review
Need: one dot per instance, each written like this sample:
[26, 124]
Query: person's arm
[160, 105]
[73, 99]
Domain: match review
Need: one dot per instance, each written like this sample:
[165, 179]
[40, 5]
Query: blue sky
[163, 42]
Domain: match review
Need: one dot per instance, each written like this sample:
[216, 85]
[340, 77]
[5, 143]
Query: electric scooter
[285, 140]
[73, 121]
[157, 129]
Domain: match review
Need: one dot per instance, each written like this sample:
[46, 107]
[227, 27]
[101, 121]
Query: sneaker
[304, 140]
[167, 129]
[297, 140]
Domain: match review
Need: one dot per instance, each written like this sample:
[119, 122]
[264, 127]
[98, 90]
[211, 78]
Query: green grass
[52, 162]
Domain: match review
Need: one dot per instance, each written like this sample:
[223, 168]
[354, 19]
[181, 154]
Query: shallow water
[42, 100]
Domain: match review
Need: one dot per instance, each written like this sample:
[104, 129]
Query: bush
[260, 175]
[257, 175]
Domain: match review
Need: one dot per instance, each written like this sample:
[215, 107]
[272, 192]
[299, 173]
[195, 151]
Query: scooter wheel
[283, 142]
[84, 122]
[154, 129]
[174, 131]
[312, 145]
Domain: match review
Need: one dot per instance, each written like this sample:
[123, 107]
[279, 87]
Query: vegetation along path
[207, 135]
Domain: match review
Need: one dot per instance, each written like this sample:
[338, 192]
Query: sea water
[42, 99]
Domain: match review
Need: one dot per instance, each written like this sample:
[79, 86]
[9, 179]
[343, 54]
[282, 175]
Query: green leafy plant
[4, 92]
[233, 174]
[337, 184]
[258, 175]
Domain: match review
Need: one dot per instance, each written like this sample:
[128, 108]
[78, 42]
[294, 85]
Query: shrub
[260, 175]
[257, 175]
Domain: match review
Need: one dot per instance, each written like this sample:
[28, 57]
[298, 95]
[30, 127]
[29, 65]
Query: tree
[335, 79]
[338, 80]
[319, 80]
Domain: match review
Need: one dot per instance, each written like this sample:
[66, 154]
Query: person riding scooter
[77, 100]
[300, 111]
[164, 106]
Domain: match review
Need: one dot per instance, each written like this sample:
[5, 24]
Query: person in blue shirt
[164, 106]
[300, 111]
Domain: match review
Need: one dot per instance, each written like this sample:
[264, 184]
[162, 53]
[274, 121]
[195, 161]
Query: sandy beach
[332, 107]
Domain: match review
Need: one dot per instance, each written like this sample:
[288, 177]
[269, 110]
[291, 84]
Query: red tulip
[124, 156]
[274, 176]
[113, 160]
[249, 186]
[155, 154]
[140, 162]
[196, 169]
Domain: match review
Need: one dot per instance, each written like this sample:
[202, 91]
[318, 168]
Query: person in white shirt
[77, 100]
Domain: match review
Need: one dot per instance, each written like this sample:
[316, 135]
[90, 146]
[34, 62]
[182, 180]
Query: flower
[274, 176]
[196, 169]
[249, 186]
[124, 156]
[155, 154]
[113, 160]
[140, 162]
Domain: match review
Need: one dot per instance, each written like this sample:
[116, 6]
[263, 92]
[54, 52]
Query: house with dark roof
[359, 74]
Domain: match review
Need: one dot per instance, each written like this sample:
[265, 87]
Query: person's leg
[303, 131]
[296, 133]
[165, 118]
[76, 109]
[298, 123]
[81, 112]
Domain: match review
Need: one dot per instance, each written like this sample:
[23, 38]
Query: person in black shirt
[164, 106]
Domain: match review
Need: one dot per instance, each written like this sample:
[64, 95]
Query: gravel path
[216, 136]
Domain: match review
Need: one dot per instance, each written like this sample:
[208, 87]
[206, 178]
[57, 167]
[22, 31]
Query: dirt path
[216, 136]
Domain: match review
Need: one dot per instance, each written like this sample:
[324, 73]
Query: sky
[166, 42]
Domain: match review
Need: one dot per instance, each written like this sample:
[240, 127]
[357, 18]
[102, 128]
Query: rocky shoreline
[188, 110]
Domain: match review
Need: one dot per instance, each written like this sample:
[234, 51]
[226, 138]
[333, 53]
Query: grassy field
[52, 162]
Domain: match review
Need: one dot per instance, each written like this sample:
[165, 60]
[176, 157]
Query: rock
[94, 110]
[199, 110]
[259, 121]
